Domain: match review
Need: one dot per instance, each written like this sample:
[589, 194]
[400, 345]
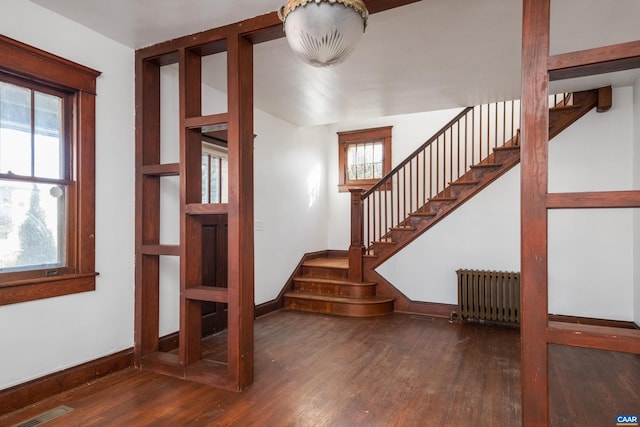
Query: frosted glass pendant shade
[324, 32]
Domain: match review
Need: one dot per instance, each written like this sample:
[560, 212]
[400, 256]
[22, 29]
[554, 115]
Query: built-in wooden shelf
[173, 250]
[167, 169]
[206, 208]
[210, 120]
[207, 293]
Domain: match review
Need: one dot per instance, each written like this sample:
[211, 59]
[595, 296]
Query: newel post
[356, 249]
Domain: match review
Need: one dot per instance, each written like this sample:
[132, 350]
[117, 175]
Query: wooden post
[534, 164]
[356, 249]
[240, 228]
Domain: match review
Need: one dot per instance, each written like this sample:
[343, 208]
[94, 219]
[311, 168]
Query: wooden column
[356, 249]
[147, 208]
[190, 78]
[534, 160]
[240, 228]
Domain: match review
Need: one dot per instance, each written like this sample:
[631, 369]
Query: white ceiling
[429, 55]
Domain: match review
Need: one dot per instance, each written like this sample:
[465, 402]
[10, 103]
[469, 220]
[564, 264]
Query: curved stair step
[334, 287]
[343, 306]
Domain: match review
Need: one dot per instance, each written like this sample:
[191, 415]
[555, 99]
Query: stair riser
[456, 190]
[398, 235]
[436, 206]
[351, 310]
[419, 221]
[479, 173]
[502, 156]
[324, 272]
[335, 289]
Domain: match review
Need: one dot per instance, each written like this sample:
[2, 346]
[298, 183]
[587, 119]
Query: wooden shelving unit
[232, 288]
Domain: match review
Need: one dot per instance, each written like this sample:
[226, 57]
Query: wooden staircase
[480, 175]
[350, 286]
[322, 286]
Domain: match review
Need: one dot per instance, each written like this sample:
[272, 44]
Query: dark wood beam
[375, 6]
[600, 60]
[259, 29]
[594, 199]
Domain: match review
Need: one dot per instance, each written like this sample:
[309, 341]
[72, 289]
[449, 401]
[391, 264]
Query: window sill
[366, 186]
[34, 289]
[344, 188]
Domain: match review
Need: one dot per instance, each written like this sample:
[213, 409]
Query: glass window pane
[204, 166]
[48, 147]
[377, 172]
[224, 181]
[377, 152]
[368, 153]
[214, 176]
[351, 155]
[32, 225]
[15, 129]
[352, 172]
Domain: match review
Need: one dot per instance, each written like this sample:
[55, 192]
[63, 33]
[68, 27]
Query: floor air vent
[46, 416]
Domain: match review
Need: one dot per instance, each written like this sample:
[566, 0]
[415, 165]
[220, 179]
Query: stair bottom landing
[322, 285]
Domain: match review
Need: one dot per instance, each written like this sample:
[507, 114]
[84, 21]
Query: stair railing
[466, 140]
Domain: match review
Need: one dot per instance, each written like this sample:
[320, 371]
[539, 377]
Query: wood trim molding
[30, 61]
[35, 390]
[402, 303]
[30, 290]
[36, 65]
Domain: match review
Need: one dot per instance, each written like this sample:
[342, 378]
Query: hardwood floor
[396, 370]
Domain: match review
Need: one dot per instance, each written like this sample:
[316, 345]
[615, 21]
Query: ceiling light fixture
[323, 32]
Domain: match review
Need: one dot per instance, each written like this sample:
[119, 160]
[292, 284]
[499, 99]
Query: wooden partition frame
[538, 68]
[237, 41]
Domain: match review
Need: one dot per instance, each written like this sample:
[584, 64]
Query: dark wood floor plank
[396, 370]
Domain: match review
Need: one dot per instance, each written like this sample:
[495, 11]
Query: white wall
[636, 214]
[290, 189]
[40, 337]
[591, 251]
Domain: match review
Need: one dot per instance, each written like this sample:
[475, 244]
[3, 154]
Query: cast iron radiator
[489, 295]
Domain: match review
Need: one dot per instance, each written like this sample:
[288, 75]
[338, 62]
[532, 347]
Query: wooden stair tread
[464, 183]
[384, 242]
[565, 107]
[331, 281]
[443, 199]
[405, 228]
[338, 263]
[425, 214]
[507, 148]
[486, 165]
[338, 299]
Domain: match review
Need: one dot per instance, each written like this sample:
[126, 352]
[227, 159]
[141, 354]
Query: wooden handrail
[416, 151]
